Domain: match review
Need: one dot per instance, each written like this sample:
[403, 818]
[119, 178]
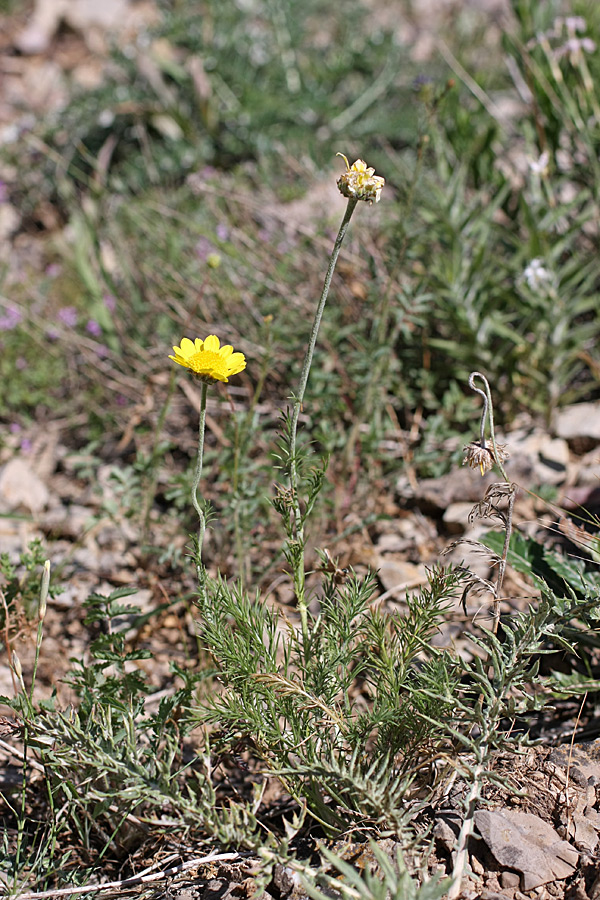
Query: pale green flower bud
[17, 667]
[44, 590]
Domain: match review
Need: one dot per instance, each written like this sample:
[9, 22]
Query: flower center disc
[207, 362]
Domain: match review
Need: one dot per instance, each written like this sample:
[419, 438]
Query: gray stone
[21, 487]
[526, 843]
[510, 879]
[580, 420]
[456, 517]
[399, 575]
[585, 835]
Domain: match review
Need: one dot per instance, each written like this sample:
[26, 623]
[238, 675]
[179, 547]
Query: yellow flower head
[359, 182]
[208, 359]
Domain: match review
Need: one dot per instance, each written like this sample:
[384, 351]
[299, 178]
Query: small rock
[510, 879]
[477, 865]
[456, 517]
[215, 889]
[70, 521]
[20, 487]
[284, 880]
[526, 843]
[81, 15]
[392, 543]
[585, 836]
[399, 575]
[458, 486]
[553, 457]
[537, 457]
[580, 420]
[593, 817]
[15, 536]
[588, 469]
[446, 835]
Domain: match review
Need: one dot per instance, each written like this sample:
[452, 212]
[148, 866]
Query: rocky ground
[539, 839]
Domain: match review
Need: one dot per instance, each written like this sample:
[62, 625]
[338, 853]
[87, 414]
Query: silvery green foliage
[340, 718]
[390, 880]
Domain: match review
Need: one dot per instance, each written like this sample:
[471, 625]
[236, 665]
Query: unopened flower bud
[17, 668]
[44, 590]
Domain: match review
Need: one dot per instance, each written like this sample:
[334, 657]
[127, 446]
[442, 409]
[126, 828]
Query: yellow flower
[359, 182]
[208, 359]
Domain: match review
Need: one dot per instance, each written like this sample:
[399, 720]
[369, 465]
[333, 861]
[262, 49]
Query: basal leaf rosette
[208, 360]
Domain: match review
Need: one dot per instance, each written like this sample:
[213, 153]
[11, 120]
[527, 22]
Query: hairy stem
[197, 476]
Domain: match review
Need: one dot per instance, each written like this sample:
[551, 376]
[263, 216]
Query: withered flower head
[483, 458]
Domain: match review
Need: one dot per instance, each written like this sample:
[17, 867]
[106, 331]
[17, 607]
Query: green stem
[299, 573]
[197, 476]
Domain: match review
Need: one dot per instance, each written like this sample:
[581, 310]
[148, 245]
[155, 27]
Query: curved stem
[197, 476]
[486, 403]
[488, 412]
[299, 574]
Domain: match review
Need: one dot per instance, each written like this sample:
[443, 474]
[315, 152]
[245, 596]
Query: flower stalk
[358, 182]
[299, 536]
[200, 569]
[210, 362]
[479, 454]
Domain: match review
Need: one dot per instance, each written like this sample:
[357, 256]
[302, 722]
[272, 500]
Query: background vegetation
[196, 192]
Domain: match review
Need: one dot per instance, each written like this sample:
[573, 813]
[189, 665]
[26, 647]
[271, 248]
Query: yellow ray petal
[212, 342]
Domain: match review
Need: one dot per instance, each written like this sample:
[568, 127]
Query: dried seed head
[483, 458]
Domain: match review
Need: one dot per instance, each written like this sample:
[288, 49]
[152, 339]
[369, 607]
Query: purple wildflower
[93, 328]
[222, 231]
[68, 316]
[11, 318]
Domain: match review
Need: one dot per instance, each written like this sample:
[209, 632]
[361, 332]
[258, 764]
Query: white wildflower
[536, 275]
[540, 166]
